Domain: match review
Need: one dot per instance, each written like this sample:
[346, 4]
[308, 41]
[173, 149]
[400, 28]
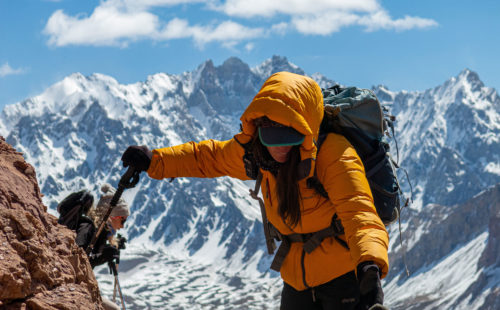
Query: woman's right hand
[138, 157]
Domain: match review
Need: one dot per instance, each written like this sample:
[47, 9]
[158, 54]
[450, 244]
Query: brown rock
[41, 267]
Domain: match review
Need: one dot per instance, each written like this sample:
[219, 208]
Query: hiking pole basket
[128, 180]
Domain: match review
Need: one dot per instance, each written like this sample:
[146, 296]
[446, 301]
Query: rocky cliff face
[41, 267]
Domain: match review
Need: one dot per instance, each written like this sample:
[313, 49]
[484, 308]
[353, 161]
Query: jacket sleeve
[206, 159]
[344, 179]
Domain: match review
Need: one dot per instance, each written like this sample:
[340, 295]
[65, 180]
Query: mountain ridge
[74, 134]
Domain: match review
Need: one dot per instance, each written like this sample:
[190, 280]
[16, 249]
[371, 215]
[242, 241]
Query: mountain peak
[233, 61]
[276, 64]
[470, 78]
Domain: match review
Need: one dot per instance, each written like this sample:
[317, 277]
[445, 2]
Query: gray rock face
[440, 230]
[444, 228]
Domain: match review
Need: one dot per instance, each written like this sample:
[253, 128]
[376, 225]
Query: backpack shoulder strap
[271, 246]
[314, 182]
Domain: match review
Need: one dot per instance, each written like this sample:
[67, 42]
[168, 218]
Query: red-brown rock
[41, 267]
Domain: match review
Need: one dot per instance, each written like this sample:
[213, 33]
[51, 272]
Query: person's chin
[281, 160]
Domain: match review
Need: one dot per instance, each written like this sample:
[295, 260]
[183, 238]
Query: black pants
[341, 293]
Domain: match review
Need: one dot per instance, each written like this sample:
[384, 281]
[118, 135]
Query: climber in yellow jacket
[281, 127]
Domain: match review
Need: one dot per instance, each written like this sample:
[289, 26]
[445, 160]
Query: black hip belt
[310, 241]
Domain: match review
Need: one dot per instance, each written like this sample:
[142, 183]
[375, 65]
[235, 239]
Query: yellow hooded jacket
[296, 101]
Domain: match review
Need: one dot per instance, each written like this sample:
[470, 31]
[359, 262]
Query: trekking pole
[120, 291]
[128, 180]
[114, 270]
[114, 292]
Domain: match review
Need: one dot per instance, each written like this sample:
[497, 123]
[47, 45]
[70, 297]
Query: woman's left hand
[369, 284]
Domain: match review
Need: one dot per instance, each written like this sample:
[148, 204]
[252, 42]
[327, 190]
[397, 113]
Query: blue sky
[403, 44]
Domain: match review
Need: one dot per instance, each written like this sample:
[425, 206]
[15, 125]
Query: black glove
[109, 253]
[138, 157]
[369, 285]
[121, 241]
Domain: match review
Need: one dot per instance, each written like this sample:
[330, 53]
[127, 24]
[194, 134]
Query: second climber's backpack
[73, 207]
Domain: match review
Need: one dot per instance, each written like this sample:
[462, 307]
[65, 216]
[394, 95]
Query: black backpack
[357, 114]
[73, 207]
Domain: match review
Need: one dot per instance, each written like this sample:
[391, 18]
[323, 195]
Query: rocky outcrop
[41, 267]
[440, 231]
[443, 229]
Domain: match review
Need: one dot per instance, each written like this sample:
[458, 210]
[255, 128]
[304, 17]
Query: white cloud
[324, 24]
[119, 22]
[228, 33]
[134, 5]
[249, 46]
[267, 8]
[323, 17]
[382, 20]
[6, 69]
[280, 28]
[108, 25]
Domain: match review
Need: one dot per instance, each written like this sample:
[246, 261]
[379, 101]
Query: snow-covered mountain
[449, 143]
[198, 244]
[449, 138]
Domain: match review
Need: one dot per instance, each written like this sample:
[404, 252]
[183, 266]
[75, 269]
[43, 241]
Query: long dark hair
[287, 188]
[287, 185]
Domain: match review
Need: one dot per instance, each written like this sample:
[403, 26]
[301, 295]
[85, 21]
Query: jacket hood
[291, 100]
